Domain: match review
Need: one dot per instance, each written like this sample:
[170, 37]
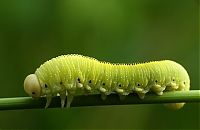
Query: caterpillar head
[32, 86]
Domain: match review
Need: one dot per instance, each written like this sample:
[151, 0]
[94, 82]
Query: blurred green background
[33, 31]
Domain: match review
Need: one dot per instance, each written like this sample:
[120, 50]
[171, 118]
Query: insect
[70, 75]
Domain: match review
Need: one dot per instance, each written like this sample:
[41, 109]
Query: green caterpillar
[70, 75]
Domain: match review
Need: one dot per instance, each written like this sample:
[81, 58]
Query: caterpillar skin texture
[70, 75]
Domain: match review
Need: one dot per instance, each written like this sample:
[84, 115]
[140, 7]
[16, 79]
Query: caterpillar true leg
[62, 98]
[69, 100]
[49, 98]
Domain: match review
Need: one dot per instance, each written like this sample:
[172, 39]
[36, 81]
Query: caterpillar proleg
[70, 75]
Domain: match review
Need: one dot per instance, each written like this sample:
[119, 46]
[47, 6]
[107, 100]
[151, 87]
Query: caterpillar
[73, 74]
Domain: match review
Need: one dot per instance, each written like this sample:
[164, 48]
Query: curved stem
[95, 100]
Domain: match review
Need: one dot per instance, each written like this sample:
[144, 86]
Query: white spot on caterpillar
[88, 88]
[101, 89]
[79, 85]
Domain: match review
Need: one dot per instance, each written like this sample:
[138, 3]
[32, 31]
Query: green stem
[95, 100]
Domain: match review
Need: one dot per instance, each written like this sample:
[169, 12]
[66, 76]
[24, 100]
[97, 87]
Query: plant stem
[95, 100]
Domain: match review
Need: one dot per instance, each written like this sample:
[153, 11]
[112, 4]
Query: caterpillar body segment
[70, 75]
